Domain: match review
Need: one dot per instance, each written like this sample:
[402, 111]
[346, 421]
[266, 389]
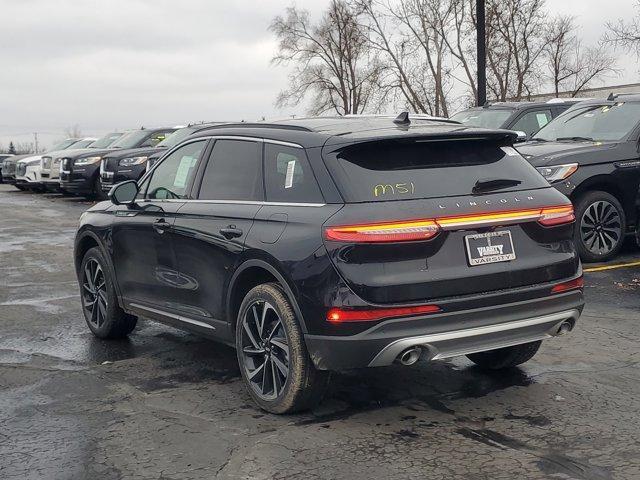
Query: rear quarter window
[288, 176]
[406, 170]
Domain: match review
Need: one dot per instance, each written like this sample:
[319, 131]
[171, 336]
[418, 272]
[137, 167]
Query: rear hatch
[429, 218]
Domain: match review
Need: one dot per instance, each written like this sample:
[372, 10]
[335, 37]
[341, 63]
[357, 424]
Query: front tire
[274, 362]
[506, 357]
[100, 306]
[600, 226]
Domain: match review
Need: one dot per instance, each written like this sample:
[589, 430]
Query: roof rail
[275, 126]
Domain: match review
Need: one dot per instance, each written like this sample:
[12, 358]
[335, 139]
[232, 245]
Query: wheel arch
[252, 273]
[85, 241]
[600, 183]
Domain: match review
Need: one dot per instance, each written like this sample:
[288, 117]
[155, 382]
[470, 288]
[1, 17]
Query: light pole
[482, 53]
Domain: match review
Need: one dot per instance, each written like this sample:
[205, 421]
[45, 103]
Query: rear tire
[269, 339]
[505, 357]
[600, 226]
[100, 306]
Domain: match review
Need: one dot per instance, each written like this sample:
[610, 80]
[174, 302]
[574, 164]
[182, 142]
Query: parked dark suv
[130, 164]
[523, 117]
[591, 153]
[80, 172]
[331, 243]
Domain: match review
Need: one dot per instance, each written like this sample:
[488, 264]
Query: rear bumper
[448, 334]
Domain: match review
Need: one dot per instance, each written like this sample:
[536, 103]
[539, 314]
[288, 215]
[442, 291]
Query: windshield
[131, 139]
[106, 141]
[485, 118]
[83, 143]
[64, 144]
[593, 122]
[175, 138]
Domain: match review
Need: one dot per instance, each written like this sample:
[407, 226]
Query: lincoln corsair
[323, 244]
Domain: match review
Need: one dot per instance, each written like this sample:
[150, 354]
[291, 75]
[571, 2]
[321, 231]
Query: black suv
[131, 164]
[331, 243]
[80, 172]
[526, 118]
[591, 153]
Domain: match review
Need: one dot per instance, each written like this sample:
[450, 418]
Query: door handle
[231, 232]
[161, 226]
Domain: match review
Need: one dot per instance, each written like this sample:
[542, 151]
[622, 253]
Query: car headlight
[87, 160]
[554, 173]
[127, 162]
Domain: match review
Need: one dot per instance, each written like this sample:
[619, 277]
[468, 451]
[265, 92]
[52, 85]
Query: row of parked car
[91, 166]
[589, 150]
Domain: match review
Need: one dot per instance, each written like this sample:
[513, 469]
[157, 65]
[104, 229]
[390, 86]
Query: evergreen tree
[12, 148]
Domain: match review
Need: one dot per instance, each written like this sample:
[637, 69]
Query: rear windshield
[400, 170]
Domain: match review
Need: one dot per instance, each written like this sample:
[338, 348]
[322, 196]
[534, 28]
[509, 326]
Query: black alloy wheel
[265, 350]
[94, 293]
[600, 227]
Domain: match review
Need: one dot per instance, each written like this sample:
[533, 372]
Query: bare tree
[73, 131]
[332, 60]
[411, 37]
[573, 67]
[624, 34]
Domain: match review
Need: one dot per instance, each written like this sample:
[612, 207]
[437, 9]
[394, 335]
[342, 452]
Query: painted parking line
[613, 267]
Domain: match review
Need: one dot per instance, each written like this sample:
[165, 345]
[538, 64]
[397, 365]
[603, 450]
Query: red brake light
[339, 315]
[384, 232]
[552, 216]
[413, 230]
[574, 284]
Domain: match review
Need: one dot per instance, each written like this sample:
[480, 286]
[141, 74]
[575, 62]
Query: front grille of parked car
[66, 164]
[9, 167]
[46, 163]
[110, 164]
[21, 169]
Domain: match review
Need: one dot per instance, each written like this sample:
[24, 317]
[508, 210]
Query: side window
[155, 139]
[533, 121]
[171, 178]
[234, 171]
[288, 176]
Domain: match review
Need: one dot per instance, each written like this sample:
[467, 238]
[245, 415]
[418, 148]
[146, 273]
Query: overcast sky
[116, 64]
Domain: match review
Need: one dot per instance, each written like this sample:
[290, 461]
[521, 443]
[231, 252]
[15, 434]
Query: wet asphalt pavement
[167, 404]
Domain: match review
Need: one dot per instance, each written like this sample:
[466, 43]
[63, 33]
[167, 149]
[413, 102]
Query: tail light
[553, 216]
[340, 315]
[574, 284]
[413, 230]
[384, 232]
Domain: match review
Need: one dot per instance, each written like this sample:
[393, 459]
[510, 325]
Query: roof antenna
[402, 119]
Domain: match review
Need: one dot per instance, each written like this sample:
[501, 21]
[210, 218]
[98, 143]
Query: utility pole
[482, 52]
[35, 140]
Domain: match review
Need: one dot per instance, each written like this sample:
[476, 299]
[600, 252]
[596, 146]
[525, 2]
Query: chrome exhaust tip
[565, 327]
[410, 356]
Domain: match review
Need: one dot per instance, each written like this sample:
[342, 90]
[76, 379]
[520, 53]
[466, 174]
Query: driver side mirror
[522, 136]
[124, 193]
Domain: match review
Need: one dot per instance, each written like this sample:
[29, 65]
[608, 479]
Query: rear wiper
[576, 139]
[488, 184]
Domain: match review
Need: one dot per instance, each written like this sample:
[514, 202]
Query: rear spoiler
[502, 138]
